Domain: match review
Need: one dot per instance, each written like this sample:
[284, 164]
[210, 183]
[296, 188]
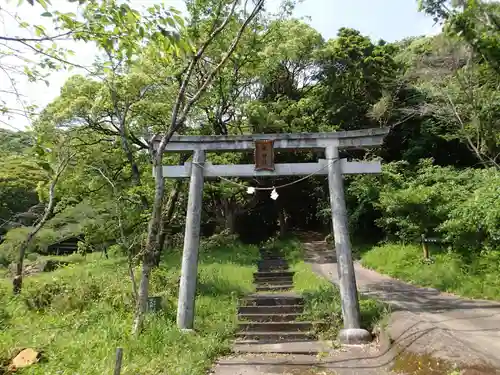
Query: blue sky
[379, 19]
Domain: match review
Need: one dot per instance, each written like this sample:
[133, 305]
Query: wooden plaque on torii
[264, 155]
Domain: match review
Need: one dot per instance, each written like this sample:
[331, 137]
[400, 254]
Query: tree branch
[212, 74]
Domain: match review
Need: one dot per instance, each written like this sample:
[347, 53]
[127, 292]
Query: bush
[4, 317]
[63, 294]
[324, 305]
[4, 314]
[116, 250]
[222, 239]
[462, 206]
[32, 256]
[475, 222]
[4, 260]
[15, 237]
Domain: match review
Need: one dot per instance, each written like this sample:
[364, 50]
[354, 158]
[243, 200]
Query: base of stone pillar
[354, 336]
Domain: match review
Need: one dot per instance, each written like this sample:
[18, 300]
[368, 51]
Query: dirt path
[424, 319]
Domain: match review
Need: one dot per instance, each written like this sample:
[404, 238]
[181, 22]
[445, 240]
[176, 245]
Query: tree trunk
[229, 215]
[151, 249]
[282, 222]
[166, 218]
[17, 282]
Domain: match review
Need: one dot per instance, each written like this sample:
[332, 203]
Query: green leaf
[179, 20]
[46, 14]
[45, 166]
[43, 3]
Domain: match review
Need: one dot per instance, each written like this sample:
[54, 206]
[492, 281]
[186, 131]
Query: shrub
[116, 250]
[323, 305]
[462, 206]
[4, 260]
[222, 239]
[4, 314]
[475, 222]
[32, 256]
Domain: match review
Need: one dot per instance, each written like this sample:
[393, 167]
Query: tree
[19, 178]
[53, 157]
[180, 112]
[476, 22]
[354, 73]
[117, 28]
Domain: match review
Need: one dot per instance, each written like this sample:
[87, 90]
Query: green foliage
[475, 277]
[460, 206]
[14, 142]
[4, 259]
[354, 73]
[121, 30]
[19, 178]
[81, 313]
[4, 317]
[12, 240]
[219, 240]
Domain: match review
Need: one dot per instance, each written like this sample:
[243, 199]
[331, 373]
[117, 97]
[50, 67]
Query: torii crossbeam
[330, 143]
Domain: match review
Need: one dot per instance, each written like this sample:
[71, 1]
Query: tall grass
[448, 271]
[79, 314]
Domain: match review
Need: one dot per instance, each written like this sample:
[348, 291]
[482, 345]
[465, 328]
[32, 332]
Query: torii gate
[334, 167]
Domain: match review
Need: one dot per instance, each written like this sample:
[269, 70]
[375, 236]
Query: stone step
[272, 300]
[320, 258]
[270, 317]
[270, 337]
[274, 288]
[268, 310]
[271, 256]
[270, 252]
[273, 268]
[272, 262]
[264, 274]
[298, 348]
[275, 326]
[274, 281]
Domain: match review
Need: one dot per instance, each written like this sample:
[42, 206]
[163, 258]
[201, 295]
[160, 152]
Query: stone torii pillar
[189, 268]
[352, 333]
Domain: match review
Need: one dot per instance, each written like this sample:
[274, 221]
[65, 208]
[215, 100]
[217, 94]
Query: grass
[477, 277]
[78, 315]
[322, 298]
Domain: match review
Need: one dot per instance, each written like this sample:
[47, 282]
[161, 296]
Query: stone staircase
[269, 319]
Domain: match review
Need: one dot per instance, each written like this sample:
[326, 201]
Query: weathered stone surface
[303, 347]
[355, 336]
